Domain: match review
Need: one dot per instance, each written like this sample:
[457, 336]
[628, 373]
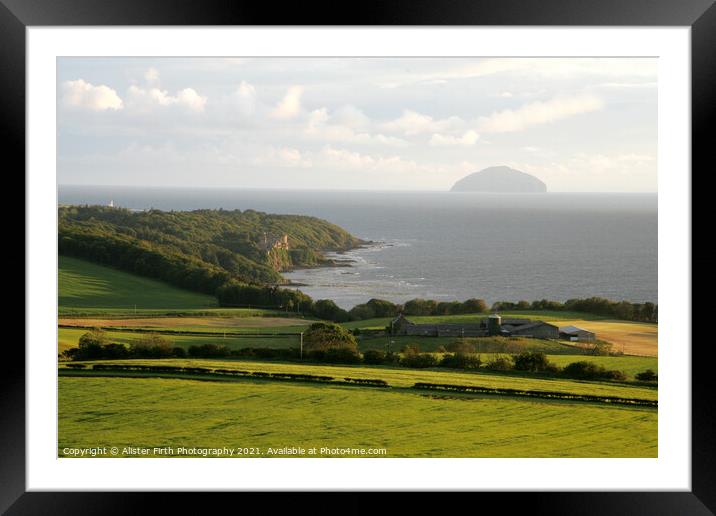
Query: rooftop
[571, 329]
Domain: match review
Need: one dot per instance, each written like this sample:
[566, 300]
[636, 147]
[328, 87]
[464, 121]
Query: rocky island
[500, 180]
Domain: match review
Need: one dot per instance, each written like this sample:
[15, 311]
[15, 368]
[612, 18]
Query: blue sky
[583, 125]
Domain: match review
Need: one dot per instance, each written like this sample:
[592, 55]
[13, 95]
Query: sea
[449, 245]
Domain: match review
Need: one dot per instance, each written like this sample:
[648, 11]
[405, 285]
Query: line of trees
[331, 343]
[237, 294]
[625, 310]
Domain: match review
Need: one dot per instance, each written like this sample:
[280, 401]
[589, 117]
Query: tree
[94, 337]
[419, 360]
[324, 336]
[624, 310]
[531, 361]
[648, 312]
[461, 361]
[383, 308]
[474, 306]
[209, 350]
[374, 357]
[115, 351]
[152, 346]
[420, 307]
[361, 312]
[647, 376]
[327, 309]
[91, 345]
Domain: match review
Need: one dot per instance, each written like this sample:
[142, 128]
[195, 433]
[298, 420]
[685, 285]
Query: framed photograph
[406, 251]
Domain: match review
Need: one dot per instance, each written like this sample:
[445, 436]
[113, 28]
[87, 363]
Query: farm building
[576, 334]
[493, 325]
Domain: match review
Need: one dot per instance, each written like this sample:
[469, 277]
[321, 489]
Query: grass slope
[84, 284]
[405, 377]
[239, 324]
[69, 338]
[162, 412]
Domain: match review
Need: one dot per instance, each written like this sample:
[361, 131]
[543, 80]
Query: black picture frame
[700, 15]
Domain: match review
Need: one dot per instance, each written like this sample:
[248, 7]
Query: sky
[578, 124]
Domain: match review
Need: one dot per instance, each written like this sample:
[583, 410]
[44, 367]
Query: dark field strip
[201, 373]
[469, 389]
[179, 332]
[215, 374]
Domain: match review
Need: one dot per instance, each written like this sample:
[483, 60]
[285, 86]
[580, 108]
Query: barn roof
[572, 329]
[517, 322]
[458, 326]
[535, 324]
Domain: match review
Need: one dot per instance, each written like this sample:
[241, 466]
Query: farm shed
[574, 333]
[493, 325]
[536, 329]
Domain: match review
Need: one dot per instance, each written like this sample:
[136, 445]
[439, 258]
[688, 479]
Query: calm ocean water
[447, 246]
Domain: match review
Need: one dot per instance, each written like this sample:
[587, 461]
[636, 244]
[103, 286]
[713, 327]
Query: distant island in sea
[500, 179]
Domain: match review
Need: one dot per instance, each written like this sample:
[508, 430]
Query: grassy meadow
[166, 412]
[406, 377]
[83, 284]
[69, 338]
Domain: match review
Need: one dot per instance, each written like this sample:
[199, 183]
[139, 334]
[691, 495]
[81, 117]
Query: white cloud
[550, 68]
[191, 99]
[81, 94]
[351, 116]
[334, 159]
[412, 122]
[287, 157]
[536, 113]
[152, 76]
[342, 159]
[594, 172]
[443, 140]
[628, 85]
[243, 99]
[290, 105]
[339, 127]
[261, 128]
[141, 99]
[317, 118]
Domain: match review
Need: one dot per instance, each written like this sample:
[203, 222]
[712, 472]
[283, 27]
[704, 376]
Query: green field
[131, 312]
[84, 284]
[405, 377]
[69, 337]
[630, 365]
[164, 412]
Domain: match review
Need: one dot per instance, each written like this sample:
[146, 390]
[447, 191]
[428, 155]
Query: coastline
[330, 262]
[335, 262]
